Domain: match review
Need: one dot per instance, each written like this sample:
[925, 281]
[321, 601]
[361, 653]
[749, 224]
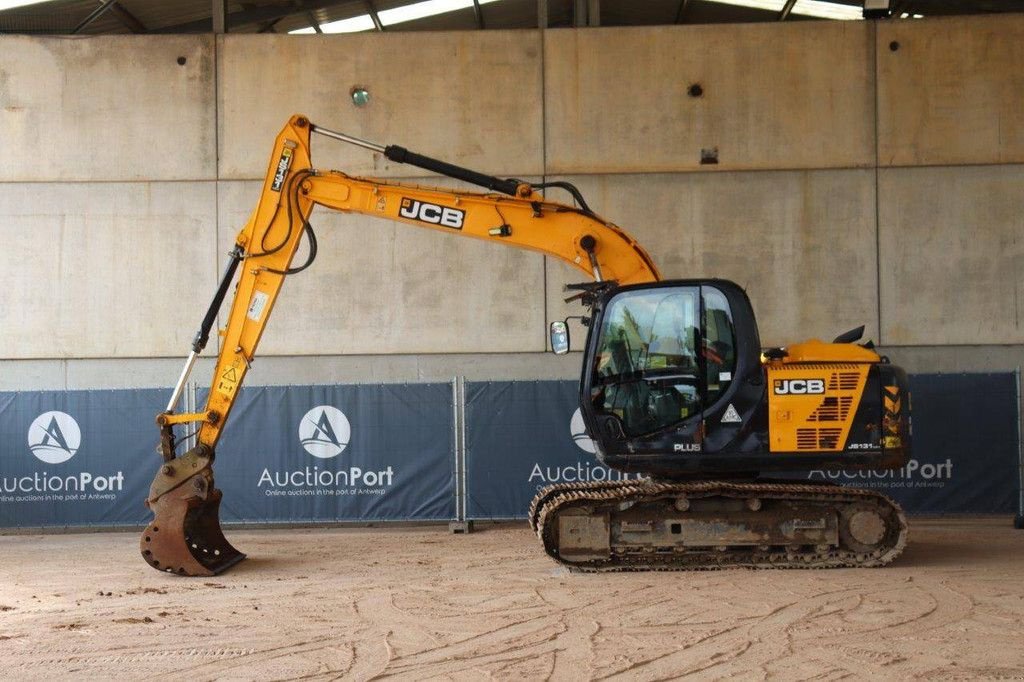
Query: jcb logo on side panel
[799, 386]
[431, 213]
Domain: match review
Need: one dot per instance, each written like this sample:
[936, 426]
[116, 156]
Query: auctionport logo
[580, 471]
[54, 437]
[916, 474]
[579, 433]
[325, 431]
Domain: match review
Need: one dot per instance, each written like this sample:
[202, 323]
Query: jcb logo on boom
[283, 164]
[431, 213]
[799, 386]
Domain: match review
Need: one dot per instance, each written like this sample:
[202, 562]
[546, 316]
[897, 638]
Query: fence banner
[964, 453]
[525, 435]
[520, 437]
[338, 453]
[77, 458]
[387, 452]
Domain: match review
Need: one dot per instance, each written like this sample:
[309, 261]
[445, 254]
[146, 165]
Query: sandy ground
[414, 603]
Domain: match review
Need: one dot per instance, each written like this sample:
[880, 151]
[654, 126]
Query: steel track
[608, 496]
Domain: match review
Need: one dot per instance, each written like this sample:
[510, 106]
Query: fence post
[460, 524]
[1018, 520]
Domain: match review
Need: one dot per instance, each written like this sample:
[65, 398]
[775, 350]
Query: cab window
[646, 369]
[719, 344]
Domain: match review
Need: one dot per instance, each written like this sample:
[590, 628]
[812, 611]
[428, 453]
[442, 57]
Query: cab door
[733, 388]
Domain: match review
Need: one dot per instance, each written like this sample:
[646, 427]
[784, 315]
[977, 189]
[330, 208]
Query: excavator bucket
[184, 536]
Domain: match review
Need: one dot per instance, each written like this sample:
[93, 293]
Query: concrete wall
[623, 100]
[107, 109]
[867, 174]
[951, 91]
[472, 98]
[801, 242]
[953, 239]
[91, 267]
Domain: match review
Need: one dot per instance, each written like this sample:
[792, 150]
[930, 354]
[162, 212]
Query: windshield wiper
[661, 374]
[670, 376]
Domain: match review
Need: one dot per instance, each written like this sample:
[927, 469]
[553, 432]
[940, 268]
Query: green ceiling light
[360, 96]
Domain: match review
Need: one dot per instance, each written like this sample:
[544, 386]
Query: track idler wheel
[184, 536]
[867, 527]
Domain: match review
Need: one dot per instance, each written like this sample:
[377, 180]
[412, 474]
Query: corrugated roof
[194, 16]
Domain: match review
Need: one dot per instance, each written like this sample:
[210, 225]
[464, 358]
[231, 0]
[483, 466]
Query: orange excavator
[674, 385]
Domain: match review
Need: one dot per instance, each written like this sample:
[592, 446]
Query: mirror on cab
[559, 337]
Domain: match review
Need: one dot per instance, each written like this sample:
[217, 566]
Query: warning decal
[731, 415]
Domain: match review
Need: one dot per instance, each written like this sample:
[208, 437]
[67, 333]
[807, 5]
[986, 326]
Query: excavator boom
[185, 536]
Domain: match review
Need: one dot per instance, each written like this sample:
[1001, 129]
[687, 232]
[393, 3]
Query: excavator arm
[185, 535]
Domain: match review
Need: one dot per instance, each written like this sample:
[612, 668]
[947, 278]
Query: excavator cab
[664, 364]
[674, 385]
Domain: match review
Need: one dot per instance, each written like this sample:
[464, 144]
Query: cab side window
[719, 344]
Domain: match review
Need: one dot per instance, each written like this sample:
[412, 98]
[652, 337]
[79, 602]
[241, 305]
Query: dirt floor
[414, 603]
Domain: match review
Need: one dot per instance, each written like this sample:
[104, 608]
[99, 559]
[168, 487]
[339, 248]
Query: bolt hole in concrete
[709, 156]
[695, 90]
[181, 61]
[894, 45]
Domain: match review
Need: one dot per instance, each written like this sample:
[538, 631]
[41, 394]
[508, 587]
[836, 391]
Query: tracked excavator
[674, 386]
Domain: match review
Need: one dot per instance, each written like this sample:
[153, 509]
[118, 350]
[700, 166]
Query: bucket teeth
[184, 536]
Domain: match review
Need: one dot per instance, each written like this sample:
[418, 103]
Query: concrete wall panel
[952, 92]
[471, 98]
[793, 96]
[107, 108]
[39, 375]
[104, 269]
[43, 375]
[802, 243]
[381, 287]
[952, 255]
[954, 359]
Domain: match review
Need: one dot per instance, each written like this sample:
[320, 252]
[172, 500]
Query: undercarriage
[636, 525]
